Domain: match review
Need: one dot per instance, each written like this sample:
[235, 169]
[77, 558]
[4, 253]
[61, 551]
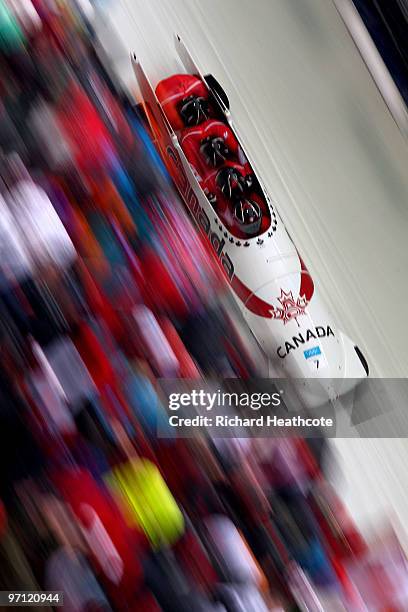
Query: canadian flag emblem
[291, 308]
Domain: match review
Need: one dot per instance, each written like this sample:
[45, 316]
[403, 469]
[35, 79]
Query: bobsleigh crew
[215, 156]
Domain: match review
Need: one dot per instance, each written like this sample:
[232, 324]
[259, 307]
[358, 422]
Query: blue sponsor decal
[312, 352]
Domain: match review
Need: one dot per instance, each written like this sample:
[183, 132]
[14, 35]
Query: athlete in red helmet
[184, 99]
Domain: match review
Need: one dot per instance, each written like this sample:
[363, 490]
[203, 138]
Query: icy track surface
[330, 155]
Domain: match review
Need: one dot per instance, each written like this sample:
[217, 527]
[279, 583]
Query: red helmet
[184, 99]
[194, 110]
[248, 216]
[234, 181]
[209, 145]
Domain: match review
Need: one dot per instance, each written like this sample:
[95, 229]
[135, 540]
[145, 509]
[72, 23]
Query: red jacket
[115, 549]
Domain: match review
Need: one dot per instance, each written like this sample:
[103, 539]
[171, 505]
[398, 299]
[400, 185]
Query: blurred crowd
[104, 288]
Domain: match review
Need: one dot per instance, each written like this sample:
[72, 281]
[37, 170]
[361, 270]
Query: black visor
[214, 151]
[231, 182]
[248, 216]
[194, 110]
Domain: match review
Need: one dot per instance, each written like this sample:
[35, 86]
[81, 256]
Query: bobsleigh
[191, 124]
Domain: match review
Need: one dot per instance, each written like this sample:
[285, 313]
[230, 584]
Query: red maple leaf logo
[291, 308]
